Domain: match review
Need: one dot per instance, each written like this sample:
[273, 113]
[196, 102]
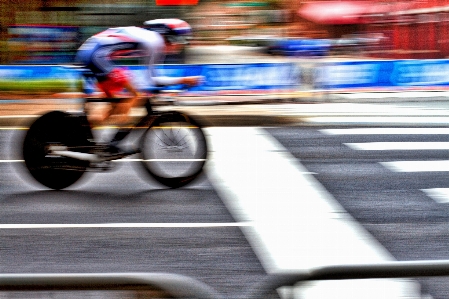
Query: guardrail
[343, 272]
[160, 285]
[178, 286]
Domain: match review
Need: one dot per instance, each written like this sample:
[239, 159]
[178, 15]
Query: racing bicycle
[59, 147]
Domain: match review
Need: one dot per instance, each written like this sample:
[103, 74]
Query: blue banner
[389, 73]
[259, 76]
[217, 77]
[26, 72]
[268, 76]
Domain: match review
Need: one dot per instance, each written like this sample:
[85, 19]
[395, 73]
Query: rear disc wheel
[54, 172]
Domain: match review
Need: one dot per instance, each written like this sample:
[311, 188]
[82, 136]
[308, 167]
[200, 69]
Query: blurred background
[50, 31]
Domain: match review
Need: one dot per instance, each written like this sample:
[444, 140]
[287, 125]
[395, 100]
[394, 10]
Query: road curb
[224, 120]
[232, 110]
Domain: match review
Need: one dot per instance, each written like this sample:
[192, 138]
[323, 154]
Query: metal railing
[178, 286]
[342, 272]
[161, 285]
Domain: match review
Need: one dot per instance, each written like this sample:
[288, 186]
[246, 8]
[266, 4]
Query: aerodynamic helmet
[175, 30]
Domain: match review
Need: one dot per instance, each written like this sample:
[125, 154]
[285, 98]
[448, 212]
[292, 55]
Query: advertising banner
[37, 78]
[219, 77]
[389, 73]
[38, 72]
[247, 77]
[258, 76]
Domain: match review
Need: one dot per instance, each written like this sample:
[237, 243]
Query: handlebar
[162, 89]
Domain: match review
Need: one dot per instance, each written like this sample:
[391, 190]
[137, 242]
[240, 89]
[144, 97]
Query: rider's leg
[124, 110]
[120, 135]
[98, 116]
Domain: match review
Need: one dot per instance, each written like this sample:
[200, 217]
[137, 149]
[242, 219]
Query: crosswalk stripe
[392, 146]
[424, 120]
[417, 166]
[297, 224]
[440, 195]
[387, 131]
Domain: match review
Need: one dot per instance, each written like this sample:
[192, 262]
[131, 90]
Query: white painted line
[440, 195]
[297, 224]
[124, 225]
[128, 160]
[13, 128]
[398, 146]
[19, 116]
[401, 94]
[378, 119]
[174, 160]
[417, 166]
[387, 131]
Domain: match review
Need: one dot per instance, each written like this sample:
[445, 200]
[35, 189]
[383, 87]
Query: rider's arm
[157, 57]
[165, 81]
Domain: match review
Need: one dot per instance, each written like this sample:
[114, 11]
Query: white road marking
[440, 195]
[18, 116]
[127, 160]
[437, 120]
[297, 224]
[124, 225]
[387, 131]
[400, 94]
[13, 128]
[291, 221]
[174, 160]
[398, 146]
[417, 166]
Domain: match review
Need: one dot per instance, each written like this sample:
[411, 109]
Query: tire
[174, 149]
[54, 172]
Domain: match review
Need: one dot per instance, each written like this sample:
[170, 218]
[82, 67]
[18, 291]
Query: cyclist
[149, 43]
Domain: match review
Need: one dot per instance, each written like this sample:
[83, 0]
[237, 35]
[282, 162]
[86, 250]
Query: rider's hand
[192, 81]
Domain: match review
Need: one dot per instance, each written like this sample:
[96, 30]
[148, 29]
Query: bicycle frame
[92, 158]
[60, 146]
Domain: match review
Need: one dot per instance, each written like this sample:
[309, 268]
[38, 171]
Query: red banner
[176, 2]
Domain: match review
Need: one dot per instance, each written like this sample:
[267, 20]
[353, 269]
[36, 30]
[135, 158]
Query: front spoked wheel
[174, 149]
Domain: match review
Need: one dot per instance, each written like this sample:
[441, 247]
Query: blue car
[299, 47]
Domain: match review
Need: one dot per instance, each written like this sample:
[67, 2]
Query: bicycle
[59, 147]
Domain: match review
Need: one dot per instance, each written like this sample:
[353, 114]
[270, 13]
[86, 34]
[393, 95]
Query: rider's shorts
[115, 81]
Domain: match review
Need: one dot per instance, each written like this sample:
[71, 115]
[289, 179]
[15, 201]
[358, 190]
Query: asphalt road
[219, 256]
[395, 207]
[178, 236]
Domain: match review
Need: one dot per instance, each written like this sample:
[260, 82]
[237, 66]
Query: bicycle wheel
[174, 149]
[55, 172]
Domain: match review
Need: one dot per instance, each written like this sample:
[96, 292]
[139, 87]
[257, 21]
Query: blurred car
[299, 47]
[351, 43]
[251, 40]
